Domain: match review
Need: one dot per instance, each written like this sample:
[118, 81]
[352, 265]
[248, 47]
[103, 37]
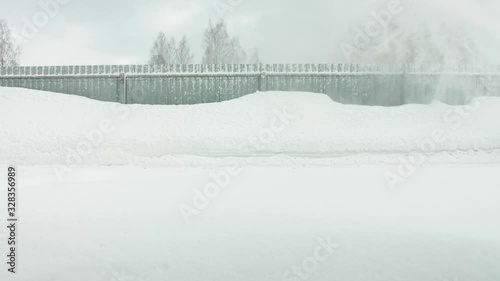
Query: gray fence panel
[88, 81]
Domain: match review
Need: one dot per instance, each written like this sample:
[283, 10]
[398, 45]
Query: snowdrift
[48, 128]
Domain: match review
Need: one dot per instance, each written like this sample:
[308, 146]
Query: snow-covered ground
[49, 128]
[272, 186]
[124, 223]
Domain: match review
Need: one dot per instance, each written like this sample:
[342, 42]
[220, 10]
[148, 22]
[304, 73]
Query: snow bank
[47, 128]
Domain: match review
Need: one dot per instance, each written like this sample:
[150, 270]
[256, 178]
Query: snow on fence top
[188, 84]
[245, 68]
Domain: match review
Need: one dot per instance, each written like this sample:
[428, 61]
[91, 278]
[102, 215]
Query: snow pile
[47, 128]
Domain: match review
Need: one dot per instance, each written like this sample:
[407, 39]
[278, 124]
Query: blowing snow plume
[431, 36]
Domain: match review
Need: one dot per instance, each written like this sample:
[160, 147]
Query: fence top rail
[253, 74]
[245, 69]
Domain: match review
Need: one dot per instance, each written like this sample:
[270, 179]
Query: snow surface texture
[123, 224]
[108, 219]
[47, 128]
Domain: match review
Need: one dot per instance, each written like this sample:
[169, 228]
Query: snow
[108, 221]
[134, 199]
[48, 128]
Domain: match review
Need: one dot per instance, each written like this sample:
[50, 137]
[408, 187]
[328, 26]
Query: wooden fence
[191, 84]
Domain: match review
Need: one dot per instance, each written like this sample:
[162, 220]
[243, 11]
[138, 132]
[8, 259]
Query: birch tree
[220, 47]
[183, 52]
[163, 51]
[9, 51]
[255, 59]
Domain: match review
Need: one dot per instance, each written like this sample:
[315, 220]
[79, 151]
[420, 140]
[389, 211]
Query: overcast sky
[293, 31]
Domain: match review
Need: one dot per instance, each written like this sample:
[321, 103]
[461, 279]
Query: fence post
[403, 84]
[122, 88]
[262, 79]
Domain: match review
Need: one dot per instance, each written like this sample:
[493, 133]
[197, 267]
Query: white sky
[292, 31]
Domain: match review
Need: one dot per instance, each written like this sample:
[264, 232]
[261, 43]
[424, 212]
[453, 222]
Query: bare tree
[183, 52]
[255, 59]
[171, 52]
[158, 50]
[9, 51]
[163, 51]
[237, 54]
[219, 47]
